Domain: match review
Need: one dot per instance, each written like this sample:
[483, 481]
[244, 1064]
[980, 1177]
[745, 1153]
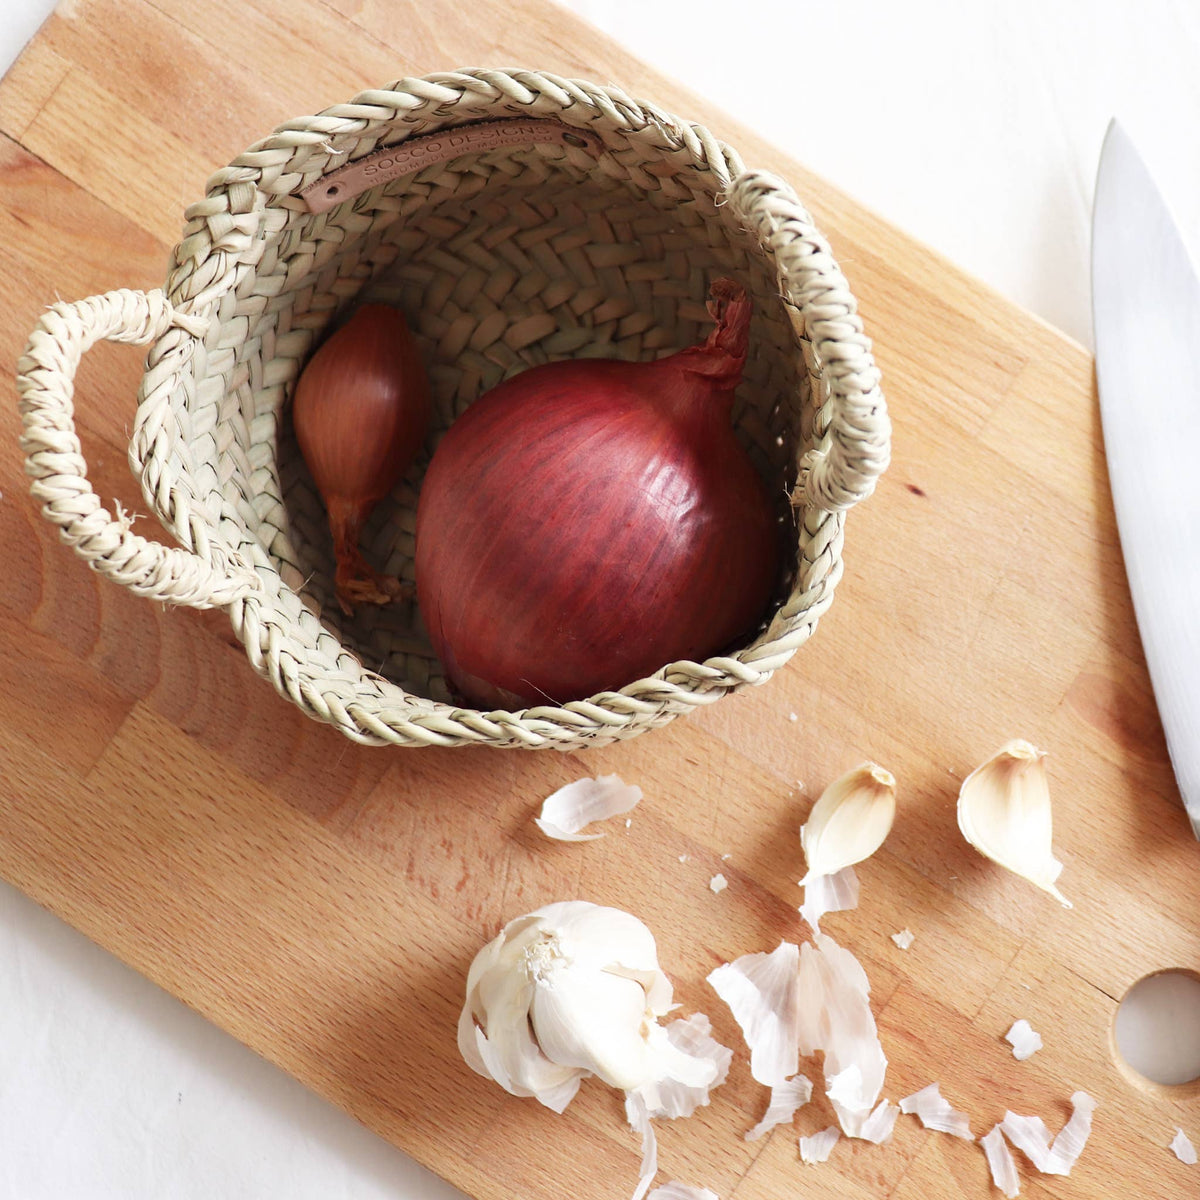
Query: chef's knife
[1146, 321]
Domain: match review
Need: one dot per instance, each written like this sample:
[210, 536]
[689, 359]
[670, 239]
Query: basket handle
[845, 468]
[204, 577]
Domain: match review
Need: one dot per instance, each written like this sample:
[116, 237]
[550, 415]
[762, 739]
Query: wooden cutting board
[321, 901]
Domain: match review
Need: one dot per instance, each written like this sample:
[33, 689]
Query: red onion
[360, 413]
[586, 522]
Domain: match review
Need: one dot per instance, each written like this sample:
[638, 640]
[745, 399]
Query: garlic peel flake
[878, 1126]
[828, 893]
[850, 820]
[935, 1112]
[1073, 1136]
[699, 1064]
[835, 1017]
[1032, 1138]
[638, 1116]
[681, 1191]
[576, 805]
[1000, 1162]
[691, 1042]
[786, 1100]
[817, 1147]
[1181, 1146]
[760, 990]
[1004, 812]
[1024, 1039]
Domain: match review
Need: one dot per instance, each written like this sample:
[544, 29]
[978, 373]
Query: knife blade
[1146, 324]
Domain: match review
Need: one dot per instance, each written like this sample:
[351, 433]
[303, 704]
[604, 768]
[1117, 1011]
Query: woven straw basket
[575, 222]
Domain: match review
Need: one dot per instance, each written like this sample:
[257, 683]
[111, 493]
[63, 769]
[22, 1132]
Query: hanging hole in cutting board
[1157, 1027]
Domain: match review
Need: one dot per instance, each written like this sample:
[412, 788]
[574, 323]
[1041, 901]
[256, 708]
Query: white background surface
[974, 126]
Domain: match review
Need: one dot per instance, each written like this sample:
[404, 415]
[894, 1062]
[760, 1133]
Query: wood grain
[321, 901]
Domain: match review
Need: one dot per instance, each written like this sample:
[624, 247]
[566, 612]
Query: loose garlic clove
[850, 820]
[1004, 812]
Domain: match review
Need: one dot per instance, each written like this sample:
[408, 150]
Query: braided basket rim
[253, 197]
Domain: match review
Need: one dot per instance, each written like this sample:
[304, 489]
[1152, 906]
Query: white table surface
[974, 126]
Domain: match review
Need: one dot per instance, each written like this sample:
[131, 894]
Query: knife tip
[1114, 131]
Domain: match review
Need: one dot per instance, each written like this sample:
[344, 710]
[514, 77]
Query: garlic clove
[593, 1021]
[850, 820]
[1004, 812]
[507, 1046]
[598, 938]
[553, 1089]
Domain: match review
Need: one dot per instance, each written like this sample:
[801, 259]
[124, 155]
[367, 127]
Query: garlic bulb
[850, 820]
[570, 990]
[1004, 812]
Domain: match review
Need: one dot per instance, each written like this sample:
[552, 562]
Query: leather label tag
[417, 153]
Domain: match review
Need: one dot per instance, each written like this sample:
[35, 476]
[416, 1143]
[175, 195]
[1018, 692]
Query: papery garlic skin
[786, 1100]
[1181, 1146]
[935, 1112]
[833, 1003]
[1024, 1039]
[1000, 1162]
[818, 1146]
[1004, 812]
[828, 893]
[681, 1191]
[761, 992]
[850, 821]
[570, 990]
[575, 806]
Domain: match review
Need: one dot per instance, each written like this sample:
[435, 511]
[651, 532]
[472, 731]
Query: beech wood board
[321, 901]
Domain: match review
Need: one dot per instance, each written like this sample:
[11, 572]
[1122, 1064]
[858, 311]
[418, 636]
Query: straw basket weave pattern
[500, 259]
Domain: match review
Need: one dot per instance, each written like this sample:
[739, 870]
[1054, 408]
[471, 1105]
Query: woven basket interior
[498, 262]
